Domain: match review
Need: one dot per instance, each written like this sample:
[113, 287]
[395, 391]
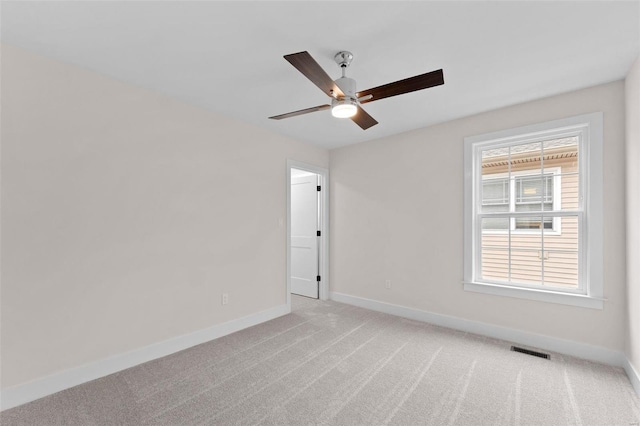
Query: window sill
[539, 295]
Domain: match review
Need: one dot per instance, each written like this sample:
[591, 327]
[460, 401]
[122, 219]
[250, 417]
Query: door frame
[323, 266]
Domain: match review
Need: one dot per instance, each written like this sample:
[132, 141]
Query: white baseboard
[633, 374]
[567, 347]
[21, 394]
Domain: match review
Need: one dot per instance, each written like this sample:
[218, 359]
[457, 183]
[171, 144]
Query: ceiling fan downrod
[346, 84]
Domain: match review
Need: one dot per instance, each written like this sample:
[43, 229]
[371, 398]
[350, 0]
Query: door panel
[304, 240]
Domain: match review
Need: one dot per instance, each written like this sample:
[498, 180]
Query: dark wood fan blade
[363, 119]
[308, 66]
[411, 84]
[300, 112]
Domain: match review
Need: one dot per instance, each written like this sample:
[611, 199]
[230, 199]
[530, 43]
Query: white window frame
[589, 130]
[557, 199]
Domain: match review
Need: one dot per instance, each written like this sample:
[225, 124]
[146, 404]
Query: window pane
[532, 238]
[561, 269]
[526, 157]
[495, 264]
[495, 160]
[534, 194]
[561, 254]
[526, 266]
[570, 187]
[495, 191]
[563, 153]
[495, 224]
[534, 189]
[495, 195]
[495, 250]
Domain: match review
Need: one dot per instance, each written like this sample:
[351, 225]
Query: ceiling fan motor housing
[347, 105]
[348, 86]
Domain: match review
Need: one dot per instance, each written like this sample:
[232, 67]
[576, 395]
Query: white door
[304, 237]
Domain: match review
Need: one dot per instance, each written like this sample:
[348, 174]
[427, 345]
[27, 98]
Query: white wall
[126, 214]
[632, 91]
[397, 213]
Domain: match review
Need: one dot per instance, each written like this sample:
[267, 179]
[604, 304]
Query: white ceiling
[227, 56]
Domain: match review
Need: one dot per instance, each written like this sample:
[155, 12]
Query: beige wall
[632, 89]
[397, 213]
[126, 214]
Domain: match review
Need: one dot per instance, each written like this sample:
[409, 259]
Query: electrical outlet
[225, 298]
[387, 284]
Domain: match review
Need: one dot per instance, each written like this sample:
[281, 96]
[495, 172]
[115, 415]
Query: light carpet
[333, 364]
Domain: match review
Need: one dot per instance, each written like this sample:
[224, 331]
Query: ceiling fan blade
[363, 119]
[300, 112]
[411, 84]
[308, 66]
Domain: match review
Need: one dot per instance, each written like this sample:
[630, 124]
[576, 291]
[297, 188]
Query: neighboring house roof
[528, 153]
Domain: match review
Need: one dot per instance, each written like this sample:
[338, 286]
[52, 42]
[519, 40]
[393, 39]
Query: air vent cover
[530, 352]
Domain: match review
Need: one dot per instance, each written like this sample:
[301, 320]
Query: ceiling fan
[346, 102]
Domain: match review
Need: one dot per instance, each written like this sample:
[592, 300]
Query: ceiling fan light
[344, 108]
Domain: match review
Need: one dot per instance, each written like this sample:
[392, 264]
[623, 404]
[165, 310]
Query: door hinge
[318, 234]
[318, 278]
[319, 188]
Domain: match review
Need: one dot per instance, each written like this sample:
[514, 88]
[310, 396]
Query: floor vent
[530, 352]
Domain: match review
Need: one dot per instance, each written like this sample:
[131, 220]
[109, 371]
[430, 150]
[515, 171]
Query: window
[533, 212]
